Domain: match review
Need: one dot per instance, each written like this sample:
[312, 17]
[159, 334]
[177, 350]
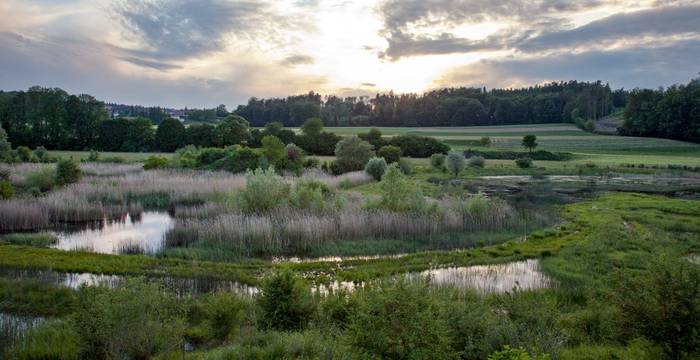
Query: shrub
[41, 154]
[6, 190]
[476, 161]
[512, 155]
[308, 195]
[374, 137]
[523, 162]
[273, 149]
[186, 157]
[419, 146]
[5, 146]
[390, 153]
[264, 191]
[405, 166]
[25, 154]
[312, 162]
[399, 321]
[208, 156]
[232, 130]
[133, 321]
[43, 179]
[376, 167]
[155, 162]
[352, 154]
[398, 193]
[223, 314]
[485, 141]
[67, 172]
[4, 174]
[285, 302]
[455, 162]
[669, 314]
[93, 156]
[437, 161]
[240, 159]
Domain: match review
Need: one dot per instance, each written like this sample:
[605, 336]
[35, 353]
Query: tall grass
[290, 231]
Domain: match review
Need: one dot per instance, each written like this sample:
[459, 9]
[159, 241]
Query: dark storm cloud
[632, 67]
[537, 26]
[294, 60]
[181, 29]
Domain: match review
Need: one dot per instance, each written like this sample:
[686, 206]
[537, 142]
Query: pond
[141, 234]
[180, 286]
[485, 279]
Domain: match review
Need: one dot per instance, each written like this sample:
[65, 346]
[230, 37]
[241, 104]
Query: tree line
[672, 113]
[572, 101]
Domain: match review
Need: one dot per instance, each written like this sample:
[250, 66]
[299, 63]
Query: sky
[201, 53]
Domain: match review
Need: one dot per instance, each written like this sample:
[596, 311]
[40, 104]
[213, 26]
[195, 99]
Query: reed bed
[289, 231]
[350, 179]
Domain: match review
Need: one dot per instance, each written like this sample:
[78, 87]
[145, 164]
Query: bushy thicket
[376, 167]
[512, 155]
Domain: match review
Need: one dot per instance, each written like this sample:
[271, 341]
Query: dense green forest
[667, 113]
[571, 101]
[52, 118]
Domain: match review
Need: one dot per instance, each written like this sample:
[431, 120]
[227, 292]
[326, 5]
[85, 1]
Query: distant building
[178, 114]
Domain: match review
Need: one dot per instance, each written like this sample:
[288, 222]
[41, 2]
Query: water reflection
[143, 233]
[180, 286]
[523, 275]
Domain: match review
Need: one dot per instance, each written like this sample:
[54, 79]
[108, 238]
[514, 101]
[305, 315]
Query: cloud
[535, 26]
[180, 28]
[368, 84]
[294, 60]
[632, 67]
[149, 63]
[653, 22]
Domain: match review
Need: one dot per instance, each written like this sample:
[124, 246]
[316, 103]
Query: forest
[554, 102]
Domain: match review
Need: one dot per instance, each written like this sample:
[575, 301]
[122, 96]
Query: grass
[30, 239]
[604, 149]
[127, 156]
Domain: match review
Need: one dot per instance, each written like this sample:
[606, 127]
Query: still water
[144, 233]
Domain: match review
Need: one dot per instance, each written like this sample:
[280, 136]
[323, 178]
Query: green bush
[5, 174]
[455, 162]
[406, 166]
[390, 153]
[399, 194]
[208, 156]
[93, 156]
[437, 161]
[43, 179]
[399, 321]
[669, 314]
[223, 314]
[25, 154]
[155, 162]
[273, 149]
[512, 155]
[41, 154]
[308, 195]
[476, 161]
[241, 159]
[67, 172]
[376, 167]
[352, 154]
[6, 190]
[133, 321]
[264, 191]
[170, 135]
[285, 302]
[419, 146]
[523, 162]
